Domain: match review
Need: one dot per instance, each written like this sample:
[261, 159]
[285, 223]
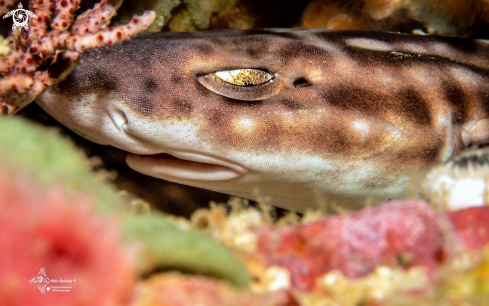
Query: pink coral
[404, 233]
[46, 227]
[6, 5]
[57, 49]
[471, 226]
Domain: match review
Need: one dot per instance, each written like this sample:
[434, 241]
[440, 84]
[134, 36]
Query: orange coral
[379, 9]
[327, 14]
[320, 14]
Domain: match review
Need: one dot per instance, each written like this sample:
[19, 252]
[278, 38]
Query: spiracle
[461, 182]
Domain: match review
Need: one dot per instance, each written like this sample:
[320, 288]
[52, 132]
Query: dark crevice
[301, 82]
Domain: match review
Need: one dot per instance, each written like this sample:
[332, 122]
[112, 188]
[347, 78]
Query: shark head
[290, 114]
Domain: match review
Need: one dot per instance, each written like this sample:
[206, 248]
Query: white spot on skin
[360, 128]
[369, 44]
[315, 75]
[289, 120]
[246, 122]
[243, 125]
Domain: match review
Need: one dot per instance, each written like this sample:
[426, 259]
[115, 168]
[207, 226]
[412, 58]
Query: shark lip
[173, 164]
[191, 167]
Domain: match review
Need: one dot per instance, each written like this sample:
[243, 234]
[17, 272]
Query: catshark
[348, 115]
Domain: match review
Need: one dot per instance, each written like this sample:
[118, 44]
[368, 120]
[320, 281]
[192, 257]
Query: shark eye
[245, 84]
[244, 77]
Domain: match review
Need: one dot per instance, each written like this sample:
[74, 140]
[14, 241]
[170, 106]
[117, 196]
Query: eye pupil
[244, 77]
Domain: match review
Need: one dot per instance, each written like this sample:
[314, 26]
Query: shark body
[344, 114]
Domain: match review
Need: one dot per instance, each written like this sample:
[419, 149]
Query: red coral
[471, 226]
[407, 233]
[49, 228]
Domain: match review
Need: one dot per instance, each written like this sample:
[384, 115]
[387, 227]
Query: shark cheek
[178, 170]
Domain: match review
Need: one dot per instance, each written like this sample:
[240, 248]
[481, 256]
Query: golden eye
[244, 77]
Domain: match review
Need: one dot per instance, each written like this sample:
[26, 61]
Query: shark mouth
[186, 167]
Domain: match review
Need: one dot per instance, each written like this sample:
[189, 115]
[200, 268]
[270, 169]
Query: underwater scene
[244, 152]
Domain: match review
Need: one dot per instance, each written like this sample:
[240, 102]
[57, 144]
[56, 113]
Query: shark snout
[157, 153]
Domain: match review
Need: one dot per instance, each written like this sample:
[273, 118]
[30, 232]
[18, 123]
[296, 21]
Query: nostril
[301, 82]
[119, 119]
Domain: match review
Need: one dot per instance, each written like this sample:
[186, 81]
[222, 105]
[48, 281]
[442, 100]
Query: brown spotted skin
[349, 114]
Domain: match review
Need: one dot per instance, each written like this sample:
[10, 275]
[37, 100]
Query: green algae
[52, 159]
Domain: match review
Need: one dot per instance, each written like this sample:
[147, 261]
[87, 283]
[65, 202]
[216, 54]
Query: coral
[50, 228]
[355, 244]
[48, 52]
[453, 17]
[201, 15]
[461, 182]
[6, 5]
[361, 258]
[335, 288]
[4, 49]
[172, 289]
[380, 9]
[162, 9]
[471, 227]
[326, 14]
[188, 15]
[441, 17]
[235, 229]
[457, 285]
